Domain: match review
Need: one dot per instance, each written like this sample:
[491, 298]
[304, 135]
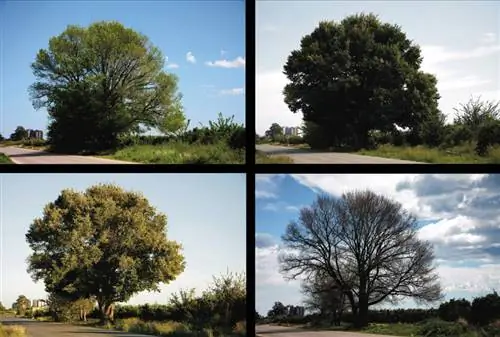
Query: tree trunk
[362, 318]
[107, 312]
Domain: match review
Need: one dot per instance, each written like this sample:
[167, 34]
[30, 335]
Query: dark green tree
[105, 243]
[359, 75]
[103, 82]
[454, 309]
[277, 310]
[20, 133]
[274, 132]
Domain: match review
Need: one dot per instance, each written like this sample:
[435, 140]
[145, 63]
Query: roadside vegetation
[98, 275]
[453, 318]
[380, 102]
[105, 89]
[12, 331]
[5, 159]
[221, 142]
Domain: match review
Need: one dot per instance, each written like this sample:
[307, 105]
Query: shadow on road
[34, 154]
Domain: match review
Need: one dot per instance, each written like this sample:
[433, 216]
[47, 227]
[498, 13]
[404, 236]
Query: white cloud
[488, 38]
[270, 105]
[458, 83]
[268, 28]
[453, 231]
[238, 62]
[233, 91]
[266, 185]
[439, 54]
[190, 57]
[172, 66]
[480, 279]
[281, 206]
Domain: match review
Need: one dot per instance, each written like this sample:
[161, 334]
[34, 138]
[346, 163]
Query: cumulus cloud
[266, 185]
[264, 240]
[281, 206]
[233, 91]
[190, 57]
[238, 62]
[172, 66]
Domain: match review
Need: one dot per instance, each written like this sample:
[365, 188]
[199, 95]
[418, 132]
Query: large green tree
[104, 243]
[359, 75]
[103, 82]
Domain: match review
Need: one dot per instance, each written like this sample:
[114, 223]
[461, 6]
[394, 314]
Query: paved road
[45, 329]
[281, 331]
[28, 156]
[306, 156]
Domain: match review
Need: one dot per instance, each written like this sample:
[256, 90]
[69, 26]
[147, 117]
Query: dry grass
[12, 331]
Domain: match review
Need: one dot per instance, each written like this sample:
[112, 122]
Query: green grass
[5, 159]
[463, 154]
[261, 158]
[398, 329]
[180, 153]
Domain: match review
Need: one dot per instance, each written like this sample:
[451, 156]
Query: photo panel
[392, 254]
[144, 253]
[365, 82]
[123, 82]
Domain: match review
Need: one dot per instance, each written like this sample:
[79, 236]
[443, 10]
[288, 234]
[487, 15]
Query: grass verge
[397, 329]
[180, 153]
[5, 159]
[12, 331]
[463, 154]
[262, 158]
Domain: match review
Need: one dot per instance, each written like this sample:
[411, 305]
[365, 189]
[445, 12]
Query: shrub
[238, 138]
[439, 328]
[454, 309]
[486, 309]
[295, 140]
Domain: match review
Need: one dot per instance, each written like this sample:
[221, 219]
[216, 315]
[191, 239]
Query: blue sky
[212, 32]
[459, 42]
[457, 213]
[206, 213]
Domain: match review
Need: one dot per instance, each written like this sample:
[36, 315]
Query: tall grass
[172, 329]
[181, 153]
[463, 154]
[12, 331]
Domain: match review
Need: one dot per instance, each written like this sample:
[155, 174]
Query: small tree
[22, 305]
[19, 134]
[455, 309]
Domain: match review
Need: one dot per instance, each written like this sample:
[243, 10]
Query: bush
[488, 134]
[486, 309]
[439, 328]
[295, 140]
[452, 310]
[238, 138]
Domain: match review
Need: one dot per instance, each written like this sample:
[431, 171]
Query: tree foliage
[274, 132]
[454, 309]
[19, 133]
[22, 305]
[367, 244]
[277, 310]
[104, 243]
[101, 82]
[359, 75]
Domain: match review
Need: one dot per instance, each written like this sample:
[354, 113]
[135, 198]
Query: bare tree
[367, 244]
[324, 295]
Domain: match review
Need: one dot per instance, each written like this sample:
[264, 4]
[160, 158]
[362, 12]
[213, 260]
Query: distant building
[296, 311]
[36, 134]
[291, 131]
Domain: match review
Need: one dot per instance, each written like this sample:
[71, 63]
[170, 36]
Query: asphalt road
[281, 331]
[45, 329]
[306, 156]
[28, 156]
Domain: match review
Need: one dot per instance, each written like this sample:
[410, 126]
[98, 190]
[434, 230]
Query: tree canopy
[102, 82]
[104, 243]
[19, 133]
[367, 245]
[359, 75]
